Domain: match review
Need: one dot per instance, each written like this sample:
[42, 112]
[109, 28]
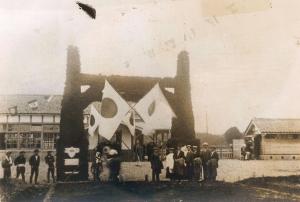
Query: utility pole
[206, 122]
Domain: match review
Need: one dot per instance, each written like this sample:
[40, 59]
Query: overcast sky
[244, 55]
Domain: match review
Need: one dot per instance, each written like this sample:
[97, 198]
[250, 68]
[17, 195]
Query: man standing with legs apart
[49, 159]
[34, 162]
[205, 157]
[20, 163]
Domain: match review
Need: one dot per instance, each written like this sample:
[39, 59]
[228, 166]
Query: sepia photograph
[149, 100]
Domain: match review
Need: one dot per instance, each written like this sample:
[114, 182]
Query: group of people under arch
[186, 162]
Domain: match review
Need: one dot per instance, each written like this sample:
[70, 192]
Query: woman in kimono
[213, 165]
[179, 164]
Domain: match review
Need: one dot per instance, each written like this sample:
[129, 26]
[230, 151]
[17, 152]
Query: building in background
[28, 122]
[274, 138]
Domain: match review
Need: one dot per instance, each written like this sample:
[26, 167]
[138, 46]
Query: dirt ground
[238, 181]
[255, 189]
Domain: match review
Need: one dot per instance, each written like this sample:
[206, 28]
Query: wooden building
[274, 138]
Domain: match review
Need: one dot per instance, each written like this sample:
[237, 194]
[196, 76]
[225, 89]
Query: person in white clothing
[170, 165]
[6, 165]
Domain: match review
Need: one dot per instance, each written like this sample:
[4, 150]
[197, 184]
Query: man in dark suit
[20, 164]
[205, 155]
[34, 162]
[49, 160]
[213, 165]
[189, 160]
[156, 165]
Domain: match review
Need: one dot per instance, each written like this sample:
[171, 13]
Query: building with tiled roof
[28, 122]
[274, 138]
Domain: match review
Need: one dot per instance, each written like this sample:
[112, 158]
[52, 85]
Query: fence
[225, 152]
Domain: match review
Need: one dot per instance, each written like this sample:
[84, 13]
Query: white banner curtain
[155, 110]
[94, 121]
[129, 121]
[113, 110]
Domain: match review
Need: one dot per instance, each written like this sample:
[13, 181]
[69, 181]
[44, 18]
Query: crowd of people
[186, 162]
[34, 162]
[106, 165]
[183, 162]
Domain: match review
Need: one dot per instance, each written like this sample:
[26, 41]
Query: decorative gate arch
[72, 136]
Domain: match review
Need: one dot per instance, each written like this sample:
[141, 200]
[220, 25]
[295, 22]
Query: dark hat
[36, 150]
[8, 152]
[49, 152]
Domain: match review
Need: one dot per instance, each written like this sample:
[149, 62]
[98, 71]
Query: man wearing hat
[189, 159]
[6, 165]
[34, 162]
[49, 159]
[213, 164]
[20, 163]
[114, 164]
[197, 163]
[205, 155]
[156, 165]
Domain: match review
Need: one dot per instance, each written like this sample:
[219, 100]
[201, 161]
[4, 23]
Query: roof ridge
[20, 94]
[276, 118]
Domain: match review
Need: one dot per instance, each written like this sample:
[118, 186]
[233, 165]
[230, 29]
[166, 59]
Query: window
[2, 140]
[271, 136]
[48, 119]
[33, 104]
[25, 119]
[57, 119]
[2, 128]
[12, 127]
[3, 118]
[11, 141]
[36, 118]
[30, 140]
[13, 119]
[49, 140]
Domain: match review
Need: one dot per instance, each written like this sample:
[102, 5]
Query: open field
[229, 170]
